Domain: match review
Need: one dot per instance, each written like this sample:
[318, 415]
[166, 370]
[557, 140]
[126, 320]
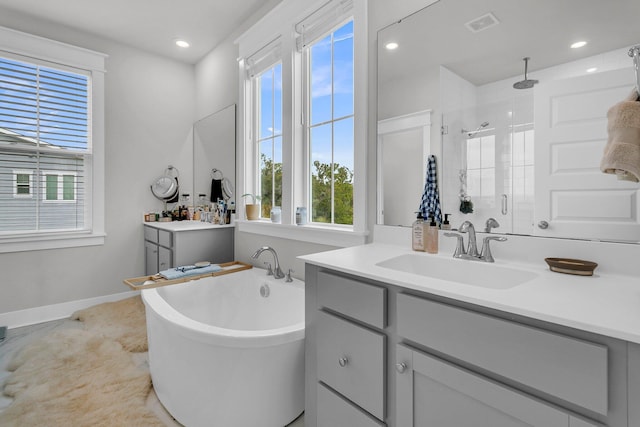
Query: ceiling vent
[481, 23]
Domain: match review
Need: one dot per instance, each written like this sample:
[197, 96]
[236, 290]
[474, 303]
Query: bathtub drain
[264, 291]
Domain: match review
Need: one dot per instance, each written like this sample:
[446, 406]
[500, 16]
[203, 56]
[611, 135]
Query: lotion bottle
[417, 234]
[431, 238]
[445, 224]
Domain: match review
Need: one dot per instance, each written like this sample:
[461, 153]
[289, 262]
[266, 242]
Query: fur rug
[77, 378]
[123, 321]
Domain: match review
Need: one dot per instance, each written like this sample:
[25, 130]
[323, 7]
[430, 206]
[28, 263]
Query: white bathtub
[223, 355]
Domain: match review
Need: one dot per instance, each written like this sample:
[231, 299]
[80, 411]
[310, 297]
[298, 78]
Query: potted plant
[252, 209]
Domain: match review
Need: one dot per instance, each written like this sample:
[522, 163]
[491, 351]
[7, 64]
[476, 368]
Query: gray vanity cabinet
[350, 353]
[634, 385]
[432, 392]
[172, 248]
[420, 360]
[158, 254]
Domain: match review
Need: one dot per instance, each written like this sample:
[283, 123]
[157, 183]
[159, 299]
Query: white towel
[622, 152]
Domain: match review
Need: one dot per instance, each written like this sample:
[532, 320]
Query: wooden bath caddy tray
[146, 282]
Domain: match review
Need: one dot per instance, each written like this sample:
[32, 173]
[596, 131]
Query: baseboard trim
[46, 313]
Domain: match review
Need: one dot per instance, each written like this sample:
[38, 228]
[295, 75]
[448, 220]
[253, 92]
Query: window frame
[308, 126]
[37, 50]
[281, 23]
[17, 172]
[256, 98]
[60, 186]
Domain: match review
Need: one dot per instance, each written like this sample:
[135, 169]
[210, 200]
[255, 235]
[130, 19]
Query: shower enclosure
[488, 153]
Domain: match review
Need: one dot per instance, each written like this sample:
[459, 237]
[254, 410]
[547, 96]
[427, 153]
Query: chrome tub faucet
[277, 271]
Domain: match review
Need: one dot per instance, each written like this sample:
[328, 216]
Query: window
[314, 155]
[481, 168]
[51, 144]
[330, 130]
[269, 131]
[59, 186]
[22, 184]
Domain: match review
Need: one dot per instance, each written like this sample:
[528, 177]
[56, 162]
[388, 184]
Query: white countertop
[605, 304]
[185, 225]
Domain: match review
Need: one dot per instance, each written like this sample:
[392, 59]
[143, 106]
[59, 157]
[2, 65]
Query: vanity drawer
[351, 360]
[335, 411]
[165, 238]
[151, 234]
[562, 366]
[352, 298]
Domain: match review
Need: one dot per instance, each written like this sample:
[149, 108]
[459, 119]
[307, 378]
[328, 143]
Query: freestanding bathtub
[228, 351]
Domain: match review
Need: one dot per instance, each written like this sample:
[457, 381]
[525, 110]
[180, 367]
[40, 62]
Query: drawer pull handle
[401, 367]
[343, 361]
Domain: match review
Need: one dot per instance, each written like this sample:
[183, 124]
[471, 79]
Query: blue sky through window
[42, 102]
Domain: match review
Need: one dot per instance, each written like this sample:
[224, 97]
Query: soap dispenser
[417, 233]
[446, 225]
[431, 239]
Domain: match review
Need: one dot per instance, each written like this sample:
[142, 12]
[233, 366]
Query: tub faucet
[277, 271]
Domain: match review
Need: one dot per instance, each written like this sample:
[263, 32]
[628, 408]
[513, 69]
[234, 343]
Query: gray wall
[151, 103]
[149, 113]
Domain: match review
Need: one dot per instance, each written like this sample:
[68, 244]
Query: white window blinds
[322, 21]
[264, 58]
[45, 147]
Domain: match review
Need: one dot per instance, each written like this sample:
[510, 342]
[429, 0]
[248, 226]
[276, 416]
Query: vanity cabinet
[351, 353]
[435, 361]
[166, 248]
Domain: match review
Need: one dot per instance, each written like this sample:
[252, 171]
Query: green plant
[254, 198]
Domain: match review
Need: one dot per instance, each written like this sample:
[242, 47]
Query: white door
[573, 197]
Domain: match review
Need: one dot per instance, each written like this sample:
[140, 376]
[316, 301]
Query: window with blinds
[45, 148]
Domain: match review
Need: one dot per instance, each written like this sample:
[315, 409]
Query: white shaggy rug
[123, 321]
[77, 378]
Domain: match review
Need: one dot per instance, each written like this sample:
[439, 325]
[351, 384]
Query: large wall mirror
[522, 152]
[214, 147]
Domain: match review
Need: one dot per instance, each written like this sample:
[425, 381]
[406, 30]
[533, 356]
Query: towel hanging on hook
[634, 53]
[622, 153]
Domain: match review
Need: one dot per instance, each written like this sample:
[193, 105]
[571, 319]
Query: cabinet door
[165, 258]
[432, 392]
[150, 258]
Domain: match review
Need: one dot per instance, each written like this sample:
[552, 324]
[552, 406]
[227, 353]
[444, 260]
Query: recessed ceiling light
[391, 45]
[592, 70]
[182, 43]
[578, 45]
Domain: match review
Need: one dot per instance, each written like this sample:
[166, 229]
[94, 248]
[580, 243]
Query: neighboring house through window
[51, 144]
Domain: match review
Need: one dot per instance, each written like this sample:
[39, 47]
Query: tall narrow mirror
[214, 147]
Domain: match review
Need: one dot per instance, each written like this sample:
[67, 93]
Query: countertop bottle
[446, 225]
[417, 234]
[431, 238]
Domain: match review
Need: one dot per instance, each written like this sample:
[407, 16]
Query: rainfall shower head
[526, 83]
[470, 134]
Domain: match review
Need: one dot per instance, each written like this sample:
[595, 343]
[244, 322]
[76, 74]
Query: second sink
[460, 271]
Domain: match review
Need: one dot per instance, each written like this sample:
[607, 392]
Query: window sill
[32, 242]
[304, 233]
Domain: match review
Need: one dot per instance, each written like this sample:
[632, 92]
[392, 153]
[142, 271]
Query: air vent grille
[481, 23]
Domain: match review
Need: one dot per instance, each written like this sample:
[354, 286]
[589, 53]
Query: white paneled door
[573, 197]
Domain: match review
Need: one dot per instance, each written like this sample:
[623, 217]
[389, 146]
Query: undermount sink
[481, 274]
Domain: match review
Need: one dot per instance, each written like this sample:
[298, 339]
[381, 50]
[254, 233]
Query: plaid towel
[430, 204]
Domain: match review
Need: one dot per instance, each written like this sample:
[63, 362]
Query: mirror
[214, 147]
[528, 156]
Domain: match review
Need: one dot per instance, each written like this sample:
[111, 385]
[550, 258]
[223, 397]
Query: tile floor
[18, 337]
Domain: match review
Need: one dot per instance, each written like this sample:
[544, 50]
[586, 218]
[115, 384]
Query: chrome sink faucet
[472, 248]
[471, 253]
[277, 271]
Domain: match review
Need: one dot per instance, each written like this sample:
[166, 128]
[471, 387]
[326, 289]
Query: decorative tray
[146, 282]
[571, 266]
